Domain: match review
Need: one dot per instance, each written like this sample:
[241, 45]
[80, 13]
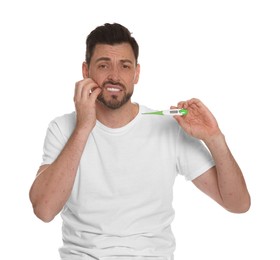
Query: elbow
[43, 214]
[246, 207]
[42, 210]
[241, 206]
[239, 210]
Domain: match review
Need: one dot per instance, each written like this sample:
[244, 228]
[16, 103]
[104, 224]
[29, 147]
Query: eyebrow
[103, 59]
[108, 59]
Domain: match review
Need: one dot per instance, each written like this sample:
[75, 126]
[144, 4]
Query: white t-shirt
[120, 207]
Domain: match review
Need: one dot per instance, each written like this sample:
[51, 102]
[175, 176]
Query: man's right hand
[54, 182]
[86, 93]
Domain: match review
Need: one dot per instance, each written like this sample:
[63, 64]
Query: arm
[53, 184]
[225, 182]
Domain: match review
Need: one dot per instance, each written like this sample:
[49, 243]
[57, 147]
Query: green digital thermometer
[170, 112]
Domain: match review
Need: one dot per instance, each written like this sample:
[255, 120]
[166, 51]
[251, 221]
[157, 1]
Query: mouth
[115, 88]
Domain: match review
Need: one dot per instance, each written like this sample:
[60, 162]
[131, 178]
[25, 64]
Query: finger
[180, 104]
[89, 85]
[183, 104]
[194, 101]
[94, 94]
[78, 90]
[79, 87]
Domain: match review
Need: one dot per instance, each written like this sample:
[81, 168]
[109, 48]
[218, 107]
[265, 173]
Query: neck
[116, 118]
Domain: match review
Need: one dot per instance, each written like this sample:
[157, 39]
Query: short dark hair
[110, 34]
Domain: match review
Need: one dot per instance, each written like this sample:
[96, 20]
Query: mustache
[111, 82]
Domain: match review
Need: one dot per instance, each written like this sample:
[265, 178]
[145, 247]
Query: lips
[113, 87]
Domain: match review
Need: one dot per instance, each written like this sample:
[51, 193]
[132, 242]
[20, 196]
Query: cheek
[129, 81]
[98, 78]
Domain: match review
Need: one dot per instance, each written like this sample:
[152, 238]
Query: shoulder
[66, 119]
[64, 123]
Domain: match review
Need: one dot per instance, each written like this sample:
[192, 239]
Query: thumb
[177, 118]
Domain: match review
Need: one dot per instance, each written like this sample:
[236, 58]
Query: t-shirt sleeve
[53, 144]
[193, 157]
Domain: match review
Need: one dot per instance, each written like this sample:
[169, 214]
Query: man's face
[114, 69]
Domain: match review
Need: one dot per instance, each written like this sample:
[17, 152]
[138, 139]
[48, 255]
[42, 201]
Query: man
[110, 170]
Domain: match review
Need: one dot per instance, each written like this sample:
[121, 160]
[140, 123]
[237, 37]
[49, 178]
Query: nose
[114, 74]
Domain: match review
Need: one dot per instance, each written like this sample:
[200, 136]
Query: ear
[85, 70]
[137, 73]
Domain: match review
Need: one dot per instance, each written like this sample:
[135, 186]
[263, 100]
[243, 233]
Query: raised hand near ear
[86, 93]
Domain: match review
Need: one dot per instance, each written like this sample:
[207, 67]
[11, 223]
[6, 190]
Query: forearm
[52, 186]
[231, 183]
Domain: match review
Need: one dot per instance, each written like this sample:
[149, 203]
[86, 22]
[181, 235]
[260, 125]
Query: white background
[227, 53]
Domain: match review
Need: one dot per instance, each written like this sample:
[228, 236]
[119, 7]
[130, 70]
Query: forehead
[116, 51]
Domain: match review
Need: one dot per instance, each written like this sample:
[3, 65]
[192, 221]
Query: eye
[103, 66]
[126, 66]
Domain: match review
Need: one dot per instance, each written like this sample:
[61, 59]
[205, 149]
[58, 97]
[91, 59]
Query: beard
[114, 101]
